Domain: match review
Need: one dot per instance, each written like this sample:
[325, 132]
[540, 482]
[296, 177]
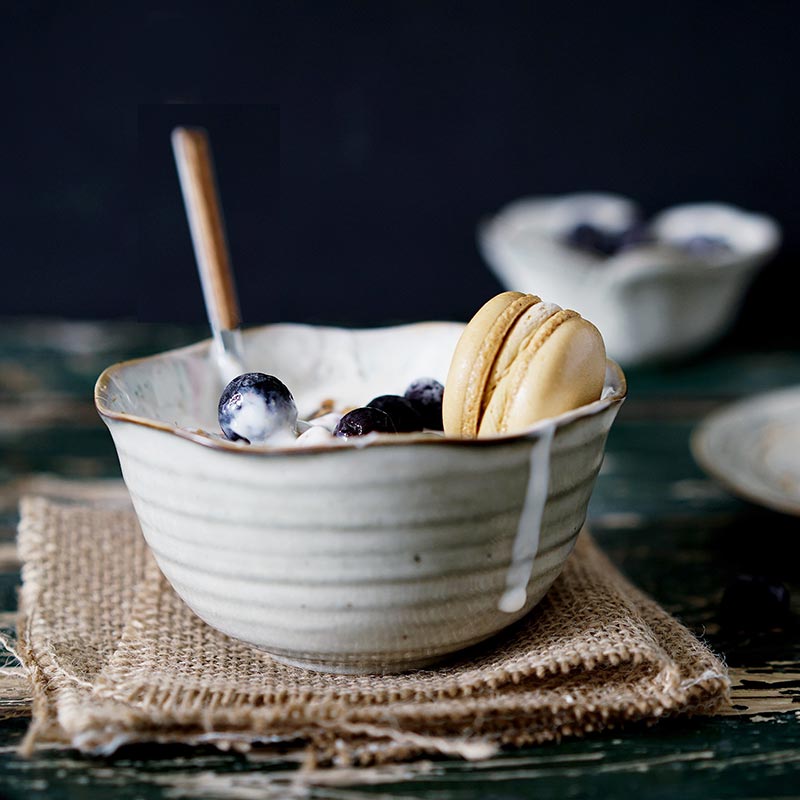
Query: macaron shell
[472, 361]
[562, 367]
[525, 328]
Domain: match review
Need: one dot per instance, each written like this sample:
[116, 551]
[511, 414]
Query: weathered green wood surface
[671, 529]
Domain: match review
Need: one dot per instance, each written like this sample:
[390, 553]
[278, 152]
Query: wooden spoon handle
[196, 172]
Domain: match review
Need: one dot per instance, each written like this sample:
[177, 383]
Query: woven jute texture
[115, 656]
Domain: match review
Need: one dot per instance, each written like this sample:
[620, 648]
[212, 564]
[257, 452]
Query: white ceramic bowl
[652, 302]
[371, 557]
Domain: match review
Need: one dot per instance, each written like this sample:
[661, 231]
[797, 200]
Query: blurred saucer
[752, 447]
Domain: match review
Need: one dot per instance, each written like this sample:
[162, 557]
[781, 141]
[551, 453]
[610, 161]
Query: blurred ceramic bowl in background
[658, 291]
[372, 556]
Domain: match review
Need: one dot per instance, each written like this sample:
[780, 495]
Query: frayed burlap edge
[512, 706]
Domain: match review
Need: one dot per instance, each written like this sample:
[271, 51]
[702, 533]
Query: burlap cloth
[115, 656]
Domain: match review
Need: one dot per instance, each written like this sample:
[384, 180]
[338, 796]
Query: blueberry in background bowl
[604, 243]
[658, 294]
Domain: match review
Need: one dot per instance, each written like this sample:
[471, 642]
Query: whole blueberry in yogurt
[361, 421]
[404, 416]
[425, 394]
[256, 408]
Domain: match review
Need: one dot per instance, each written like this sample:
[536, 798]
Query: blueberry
[361, 421]
[703, 246]
[254, 407]
[592, 239]
[754, 602]
[636, 235]
[404, 416]
[601, 242]
[425, 394]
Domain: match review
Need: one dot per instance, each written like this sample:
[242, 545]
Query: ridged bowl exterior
[348, 559]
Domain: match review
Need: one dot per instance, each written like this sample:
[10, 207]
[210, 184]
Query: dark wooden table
[674, 531]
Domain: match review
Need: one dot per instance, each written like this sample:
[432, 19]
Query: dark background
[358, 144]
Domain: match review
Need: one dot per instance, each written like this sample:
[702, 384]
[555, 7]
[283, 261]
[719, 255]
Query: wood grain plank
[672, 531]
[15, 693]
[765, 691]
[8, 619]
[9, 560]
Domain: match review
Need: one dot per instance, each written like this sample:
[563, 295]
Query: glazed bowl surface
[652, 303]
[375, 556]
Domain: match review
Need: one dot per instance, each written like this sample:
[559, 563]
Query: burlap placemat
[115, 656]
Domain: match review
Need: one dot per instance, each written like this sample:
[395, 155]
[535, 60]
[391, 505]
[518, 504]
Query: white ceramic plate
[753, 447]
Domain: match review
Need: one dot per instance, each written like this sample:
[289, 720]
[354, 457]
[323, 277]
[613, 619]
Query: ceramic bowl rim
[103, 383]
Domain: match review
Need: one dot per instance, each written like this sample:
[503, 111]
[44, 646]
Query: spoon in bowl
[201, 199]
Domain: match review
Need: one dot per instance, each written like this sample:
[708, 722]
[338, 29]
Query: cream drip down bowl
[375, 556]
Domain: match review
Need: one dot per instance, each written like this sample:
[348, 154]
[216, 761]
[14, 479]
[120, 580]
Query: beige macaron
[520, 360]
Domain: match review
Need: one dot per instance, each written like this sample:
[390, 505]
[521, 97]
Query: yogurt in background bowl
[657, 300]
[373, 556]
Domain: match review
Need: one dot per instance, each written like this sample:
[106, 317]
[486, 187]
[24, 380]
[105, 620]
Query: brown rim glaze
[390, 440]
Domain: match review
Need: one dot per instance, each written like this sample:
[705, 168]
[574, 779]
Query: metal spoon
[201, 200]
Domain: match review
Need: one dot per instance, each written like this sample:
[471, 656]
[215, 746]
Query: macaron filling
[484, 360]
[517, 340]
[498, 408]
[520, 360]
